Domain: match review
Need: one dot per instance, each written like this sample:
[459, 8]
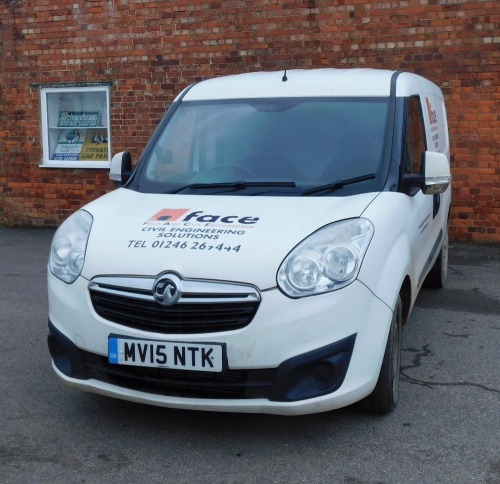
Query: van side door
[424, 229]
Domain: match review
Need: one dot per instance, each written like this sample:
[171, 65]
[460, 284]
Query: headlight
[327, 260]
[67, 252]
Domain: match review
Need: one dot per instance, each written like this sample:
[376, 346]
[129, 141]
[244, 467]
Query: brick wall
[151, 49]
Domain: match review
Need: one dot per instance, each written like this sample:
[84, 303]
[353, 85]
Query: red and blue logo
[168, 215]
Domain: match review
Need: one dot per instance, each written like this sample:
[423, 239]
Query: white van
[266, 250]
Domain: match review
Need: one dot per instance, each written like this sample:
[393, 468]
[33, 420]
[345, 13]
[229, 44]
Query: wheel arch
[389, 275]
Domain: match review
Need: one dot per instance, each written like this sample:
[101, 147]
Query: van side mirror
[436, 174]
[121, 168]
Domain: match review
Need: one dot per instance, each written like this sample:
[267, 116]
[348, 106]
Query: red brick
[151, 50]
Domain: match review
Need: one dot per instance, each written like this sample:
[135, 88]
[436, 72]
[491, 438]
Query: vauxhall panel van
[265, 250]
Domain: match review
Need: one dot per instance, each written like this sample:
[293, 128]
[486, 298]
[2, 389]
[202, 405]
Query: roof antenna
[284, 78]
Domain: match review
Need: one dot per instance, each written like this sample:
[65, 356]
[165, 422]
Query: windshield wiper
[236, 185]
[337, 185]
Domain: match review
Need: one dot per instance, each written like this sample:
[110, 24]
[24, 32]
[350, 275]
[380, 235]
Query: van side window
[415, 144]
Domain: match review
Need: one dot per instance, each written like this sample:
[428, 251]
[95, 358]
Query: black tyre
[385, 396]
[437, 276]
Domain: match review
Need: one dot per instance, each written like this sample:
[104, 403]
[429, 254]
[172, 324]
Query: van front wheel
[385, 396]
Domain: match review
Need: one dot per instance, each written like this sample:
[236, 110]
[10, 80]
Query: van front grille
[205, 307]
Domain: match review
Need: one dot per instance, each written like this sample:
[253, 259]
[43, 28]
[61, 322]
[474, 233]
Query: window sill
[104, 165]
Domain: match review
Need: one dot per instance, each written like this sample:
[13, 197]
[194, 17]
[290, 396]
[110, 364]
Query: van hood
[224, 238]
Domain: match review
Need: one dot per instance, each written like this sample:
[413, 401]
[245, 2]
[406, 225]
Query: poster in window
[79, 119]
[69, 145]
[95, 145]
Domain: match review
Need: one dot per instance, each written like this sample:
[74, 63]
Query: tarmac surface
[445, 428]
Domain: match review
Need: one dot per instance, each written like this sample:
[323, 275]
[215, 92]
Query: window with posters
[75, 126]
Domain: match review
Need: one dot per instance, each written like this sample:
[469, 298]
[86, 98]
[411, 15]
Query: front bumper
[316, 373]
[296, 357]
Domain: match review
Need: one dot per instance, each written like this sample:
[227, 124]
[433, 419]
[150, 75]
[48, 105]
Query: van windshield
[268, 146]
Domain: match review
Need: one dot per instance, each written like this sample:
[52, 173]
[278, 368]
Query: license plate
[165, 354]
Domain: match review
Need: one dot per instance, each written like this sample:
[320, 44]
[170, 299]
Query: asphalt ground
[446, 427]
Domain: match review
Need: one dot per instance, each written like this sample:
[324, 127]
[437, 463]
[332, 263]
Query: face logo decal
[177, 216]
[432, 113]
[166, 291]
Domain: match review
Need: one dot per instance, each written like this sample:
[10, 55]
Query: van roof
[309, 83]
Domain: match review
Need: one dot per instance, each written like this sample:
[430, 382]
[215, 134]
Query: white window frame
[52, 130]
